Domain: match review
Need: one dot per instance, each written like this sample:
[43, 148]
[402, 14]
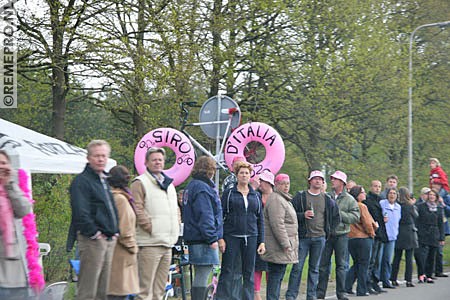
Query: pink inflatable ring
[256, 132]
[173, 139]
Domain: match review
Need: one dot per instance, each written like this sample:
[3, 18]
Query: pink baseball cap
[340, 175]
[238, 158]
[267, 176]
[282, 177]
[316, 173]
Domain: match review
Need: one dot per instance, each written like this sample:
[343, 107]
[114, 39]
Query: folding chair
[54, 291]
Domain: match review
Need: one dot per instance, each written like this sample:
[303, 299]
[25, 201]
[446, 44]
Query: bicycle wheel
[209, 293]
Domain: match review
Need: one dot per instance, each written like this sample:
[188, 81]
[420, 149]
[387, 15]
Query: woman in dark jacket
[243, 232]
[373, 204]
[202, 217]
[431, 233]
[407, 237]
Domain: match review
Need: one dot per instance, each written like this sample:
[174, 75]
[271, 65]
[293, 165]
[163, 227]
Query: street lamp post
[410, 139]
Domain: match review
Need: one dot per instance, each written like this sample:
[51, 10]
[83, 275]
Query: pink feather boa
[35, 274]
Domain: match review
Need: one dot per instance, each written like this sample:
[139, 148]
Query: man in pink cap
[318, 216]
[338, 241]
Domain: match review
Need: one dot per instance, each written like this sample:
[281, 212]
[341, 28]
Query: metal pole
[219, 109]
[410, 130]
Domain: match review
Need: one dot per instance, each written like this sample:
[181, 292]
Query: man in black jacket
[372, 202]
[94, 223]
[318, 216]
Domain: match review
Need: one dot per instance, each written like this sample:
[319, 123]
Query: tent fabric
[38, 153]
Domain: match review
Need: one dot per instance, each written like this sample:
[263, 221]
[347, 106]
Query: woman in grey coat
[407, 237]
[281, 237]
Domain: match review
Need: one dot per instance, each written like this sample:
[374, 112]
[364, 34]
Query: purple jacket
[394, 215]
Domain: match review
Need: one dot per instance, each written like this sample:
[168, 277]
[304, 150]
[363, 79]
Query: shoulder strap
[303, 199]
[259, 203]
[228, 201]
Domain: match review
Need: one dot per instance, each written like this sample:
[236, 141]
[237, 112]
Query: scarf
[432, 206]
[6, 222]
[130, 199]
[35, 274]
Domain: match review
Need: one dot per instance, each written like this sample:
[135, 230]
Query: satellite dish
[219, 108]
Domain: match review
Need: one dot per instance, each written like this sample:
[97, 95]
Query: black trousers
[408, 264]
[427, 258]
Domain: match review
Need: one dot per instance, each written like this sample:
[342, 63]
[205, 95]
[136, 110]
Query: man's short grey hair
[96, 143]
[154, 150]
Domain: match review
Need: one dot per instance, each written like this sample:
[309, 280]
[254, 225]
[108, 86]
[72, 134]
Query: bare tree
[52, 38]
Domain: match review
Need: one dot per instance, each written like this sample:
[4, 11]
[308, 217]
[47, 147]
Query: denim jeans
[239, 255]
[374, 264]
[313, 247]
[274, 280]
[338, 244]
[360, 250]
[202, 254]
[385, 261]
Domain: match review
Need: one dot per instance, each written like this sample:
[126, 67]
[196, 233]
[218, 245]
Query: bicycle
[169, 289]
[181, 258]
[212, 288]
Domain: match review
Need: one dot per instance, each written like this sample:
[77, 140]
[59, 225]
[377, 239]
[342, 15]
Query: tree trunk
[139, 85]
[59, 73]
[216, 60]
[59, 91]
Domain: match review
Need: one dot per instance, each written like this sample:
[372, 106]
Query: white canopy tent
[37, 153]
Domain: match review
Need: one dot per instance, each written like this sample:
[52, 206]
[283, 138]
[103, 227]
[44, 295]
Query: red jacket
[438, 175]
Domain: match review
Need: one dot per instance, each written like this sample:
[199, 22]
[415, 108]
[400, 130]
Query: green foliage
[331, 77]
[52, 209]
[34, 104]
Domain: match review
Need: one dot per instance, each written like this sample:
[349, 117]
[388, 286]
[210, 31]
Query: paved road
[424, 291]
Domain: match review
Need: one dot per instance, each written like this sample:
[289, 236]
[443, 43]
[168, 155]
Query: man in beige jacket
[158, 224]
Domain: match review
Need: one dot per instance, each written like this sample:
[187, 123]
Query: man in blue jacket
[94, 222]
